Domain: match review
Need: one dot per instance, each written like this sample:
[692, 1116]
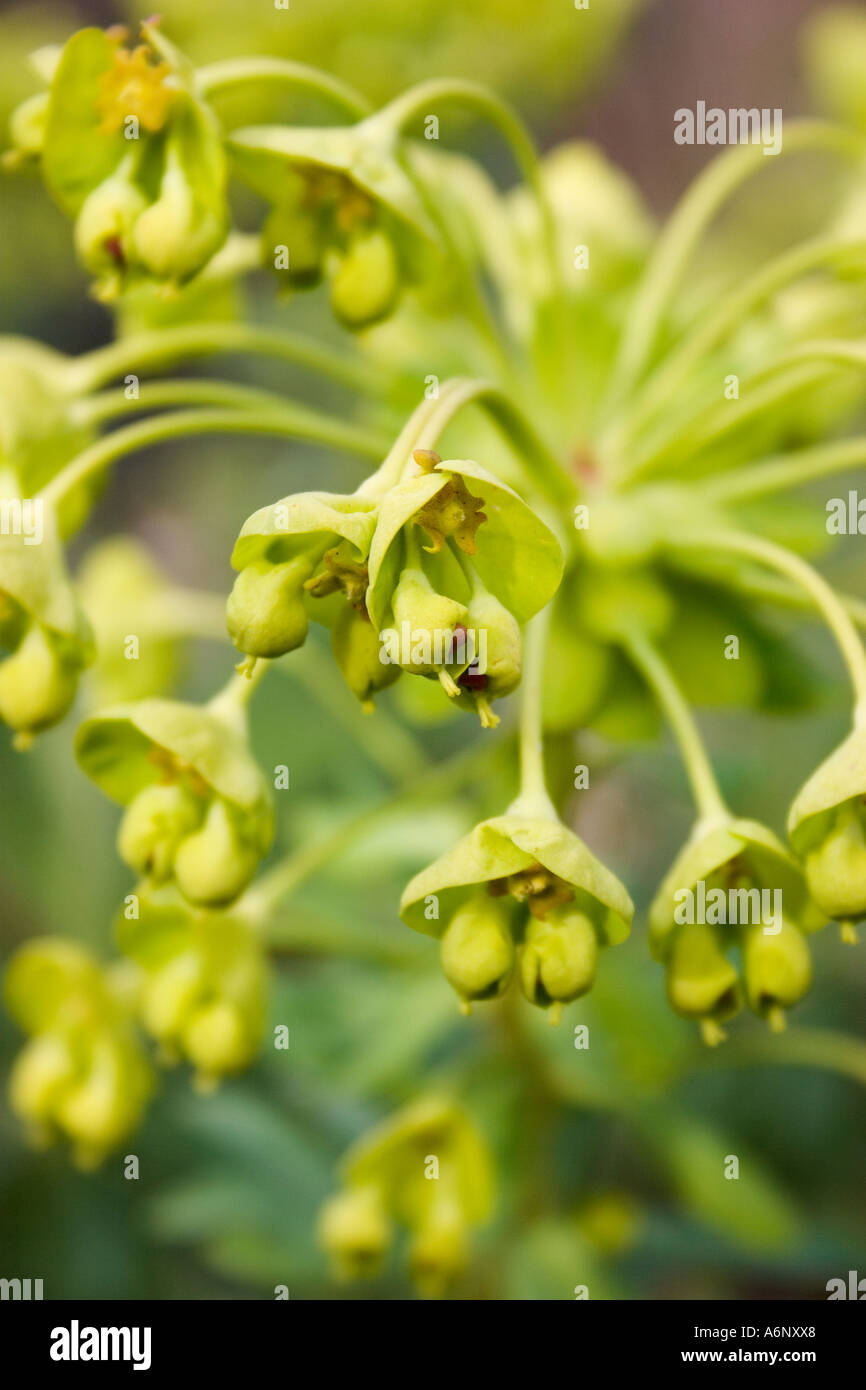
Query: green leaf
[284, 528]
[78, 155]
[116, 749]
[751, 1209]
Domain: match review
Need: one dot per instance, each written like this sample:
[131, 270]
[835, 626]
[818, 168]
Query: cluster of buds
[44, 637]
[827, 829]
[431, 576]
[764, 915]
[131, 152]
[519, 892]
[204, 983]
[82, 1076]
[198, 812]
[429, 1170]
[341, 208]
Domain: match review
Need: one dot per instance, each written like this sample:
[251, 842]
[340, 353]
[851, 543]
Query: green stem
[787, 595]
[684, 230]
[762, 391]
[292, 424]
[533, 798]
[705, 788]
[158, 395]
[808, 1047]
[216, 78]
[419, 100]
[787, 470]
[431, 418]
[776, 557]
[165, 347]
[662, 386]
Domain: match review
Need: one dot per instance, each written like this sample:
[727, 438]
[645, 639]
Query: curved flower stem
[216, 78]
[776, 557]
[432, 417]
[785, 595]
[533, 798]
[762, 391]
[161, 394]
[702, 779]
[418, 102]
[684, 230]
[786, 470]
[806, 1047]
[662, 386]
[295, 423]
[165, 347]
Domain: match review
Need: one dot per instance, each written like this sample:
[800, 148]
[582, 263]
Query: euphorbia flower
[198, 810]
[742, 856]
[522, 881]
[342, 206]
[45, 639]
[387, 1178]
[82, 1076]
[204, 984]
[827, 828]
[149, 207]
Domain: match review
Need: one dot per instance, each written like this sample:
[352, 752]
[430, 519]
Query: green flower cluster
[426, 1168]
[764, 917]
[45, 639]
[431, 575]
[129, 150]
[520, 892]
[198, 812]
[204, 983]
[82, 1076]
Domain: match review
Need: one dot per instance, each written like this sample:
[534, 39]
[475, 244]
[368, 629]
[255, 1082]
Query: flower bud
[154, 824]
[43, 1068]
[27, 127]
[103, 230]
[97, 1112]
[367, 282]
[355, 1230]
[301, 234]
[37, 686]
[437, 1253]
[777, 968]
[216, 863]
[355, 644]
[701, 981]
[430, 620]
[478, 949]
[216, 1041]
[559, 957]
[265, 614]
[169, 994]
[498, 656]
[836, 869]
[174, 238]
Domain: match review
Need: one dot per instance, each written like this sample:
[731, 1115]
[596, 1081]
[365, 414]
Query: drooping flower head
[522, 887]
[428, 1169]
[82, 1076]
[733, 887]
[198, 811]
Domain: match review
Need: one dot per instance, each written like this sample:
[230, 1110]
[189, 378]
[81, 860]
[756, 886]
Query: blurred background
[628, 1140]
